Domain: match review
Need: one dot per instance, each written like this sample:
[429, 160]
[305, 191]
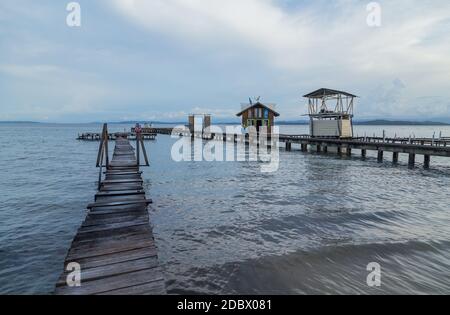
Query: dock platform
[115, 247]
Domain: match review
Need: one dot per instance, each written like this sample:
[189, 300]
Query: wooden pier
[114, 247]
[413, 147]
[94, 136]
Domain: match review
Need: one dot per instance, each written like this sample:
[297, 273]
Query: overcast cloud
[162, 59]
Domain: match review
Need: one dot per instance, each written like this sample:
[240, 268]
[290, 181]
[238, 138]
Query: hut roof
[321, 93]
[257, 104]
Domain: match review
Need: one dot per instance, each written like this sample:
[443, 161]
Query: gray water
[311, 227]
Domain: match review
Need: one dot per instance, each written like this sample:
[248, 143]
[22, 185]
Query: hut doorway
[259, 124]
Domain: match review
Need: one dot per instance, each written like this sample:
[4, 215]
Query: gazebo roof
[321, 93]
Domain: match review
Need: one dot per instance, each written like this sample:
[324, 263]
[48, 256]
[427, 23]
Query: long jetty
[115, 248]
[412, 147]
[95, 136]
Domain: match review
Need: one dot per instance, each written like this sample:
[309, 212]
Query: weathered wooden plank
[121, 198]
[111, 226]
[139, 235]
[119, 257]
[108, 231]
[122, 181]
[114, 283]
[81, 252]
[133, 168]
[115, 269]
[118, 204]
[108, 188]
[145, 289]
[121, 173]
[120, 193]
[102, 221]
[118, 211]
[118, 177]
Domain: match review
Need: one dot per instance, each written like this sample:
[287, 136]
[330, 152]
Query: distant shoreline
[377, 122]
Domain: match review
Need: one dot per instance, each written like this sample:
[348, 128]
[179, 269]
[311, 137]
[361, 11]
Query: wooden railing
[139, 145]
[103, 153]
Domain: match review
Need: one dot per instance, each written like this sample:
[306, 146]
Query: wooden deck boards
[115, 246]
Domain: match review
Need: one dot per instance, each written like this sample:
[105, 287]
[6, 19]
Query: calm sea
[311, 227]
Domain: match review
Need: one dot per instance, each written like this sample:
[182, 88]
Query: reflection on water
[311, 227]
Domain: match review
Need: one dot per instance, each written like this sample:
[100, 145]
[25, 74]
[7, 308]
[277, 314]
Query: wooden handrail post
[144, 151]
[106, 136]
[100, 173]
[138, 151]
[103, 153]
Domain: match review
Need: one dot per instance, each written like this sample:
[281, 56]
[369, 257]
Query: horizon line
[444, 121]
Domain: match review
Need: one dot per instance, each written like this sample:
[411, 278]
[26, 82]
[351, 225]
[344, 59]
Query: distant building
[258, 115]
[199, 122]
[331, 113]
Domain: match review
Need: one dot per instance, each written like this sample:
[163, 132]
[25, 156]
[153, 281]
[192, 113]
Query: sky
[159, 60]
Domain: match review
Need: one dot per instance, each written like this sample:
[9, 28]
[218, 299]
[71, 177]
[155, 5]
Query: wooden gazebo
[258, 114]
[331, 113]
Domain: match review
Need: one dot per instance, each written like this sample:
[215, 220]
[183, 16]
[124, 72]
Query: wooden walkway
[427, 147]
[115, 247]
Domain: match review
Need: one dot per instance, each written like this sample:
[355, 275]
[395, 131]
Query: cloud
[318, 43]
[167, 58]
[51, 91]
[321, 34]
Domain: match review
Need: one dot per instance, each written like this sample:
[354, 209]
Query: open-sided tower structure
[331, 113]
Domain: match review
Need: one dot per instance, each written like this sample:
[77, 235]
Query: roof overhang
[260, 105]
[323, 93]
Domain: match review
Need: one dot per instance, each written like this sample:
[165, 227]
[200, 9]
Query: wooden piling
[426, 163]
[395, 157]
[412, 160]
[380, 156]
[288, 146]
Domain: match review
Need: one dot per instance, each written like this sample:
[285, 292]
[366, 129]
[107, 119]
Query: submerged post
[426, 162]
[411, 160]
[395, 157]
[380, 156]
[363, 153]
[288, 146]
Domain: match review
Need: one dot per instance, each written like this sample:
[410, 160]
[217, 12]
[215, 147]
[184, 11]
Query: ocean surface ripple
[226, 228]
